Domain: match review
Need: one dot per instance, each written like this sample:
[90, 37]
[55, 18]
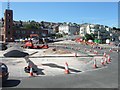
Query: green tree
[32, 25]
[93, 36]
[89, 37]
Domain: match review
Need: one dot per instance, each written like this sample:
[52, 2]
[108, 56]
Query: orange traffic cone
[96, 52]
[95, 65]
[66, 68]
[102, 62]
[109, 59]
[106, 61]
[104, 54]
[31, 71]
[110, 50]
[90, 50]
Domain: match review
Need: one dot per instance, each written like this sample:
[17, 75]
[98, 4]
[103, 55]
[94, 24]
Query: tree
[21, 23]
[114, 28]
[32, 25]
[89, 37]
[93, 36]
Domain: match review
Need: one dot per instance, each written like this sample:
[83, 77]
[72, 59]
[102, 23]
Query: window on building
[32, 32]
[8, 20]
[8, 32]
[8, 26]
[23, 32]
[37, 32]
[8, 14]
[17, 31]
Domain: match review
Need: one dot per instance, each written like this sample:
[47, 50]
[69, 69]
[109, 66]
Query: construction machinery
[32, 45]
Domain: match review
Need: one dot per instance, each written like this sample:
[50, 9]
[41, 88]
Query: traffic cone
[66, 68]
[109, 59]
[90, 50]
[104, 54]
[95, 65]
[102, 62]
[106, 61]
[31, 71]
[110, 50]
[96, 52]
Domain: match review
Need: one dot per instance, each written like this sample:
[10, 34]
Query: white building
[83, 30]
[98, 30]
[68, 29]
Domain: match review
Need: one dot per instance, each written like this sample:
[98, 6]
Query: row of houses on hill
[11, 30]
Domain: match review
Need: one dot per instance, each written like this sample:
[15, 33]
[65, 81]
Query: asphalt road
[100, 78]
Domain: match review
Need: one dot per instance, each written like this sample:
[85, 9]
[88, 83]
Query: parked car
[4, 74]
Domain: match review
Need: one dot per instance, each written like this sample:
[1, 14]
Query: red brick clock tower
[8, 25]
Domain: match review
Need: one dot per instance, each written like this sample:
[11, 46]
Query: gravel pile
[15, 47]
[15, 51]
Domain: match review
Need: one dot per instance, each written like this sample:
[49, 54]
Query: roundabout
[51, 62]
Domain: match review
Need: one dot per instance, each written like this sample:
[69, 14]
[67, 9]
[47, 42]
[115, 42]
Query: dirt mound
[56, 51]
[15, 53]
[15, 47]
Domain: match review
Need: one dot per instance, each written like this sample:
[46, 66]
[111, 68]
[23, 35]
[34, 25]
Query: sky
[104, 13]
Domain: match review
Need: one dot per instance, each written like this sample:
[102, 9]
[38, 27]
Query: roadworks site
[51, 61]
